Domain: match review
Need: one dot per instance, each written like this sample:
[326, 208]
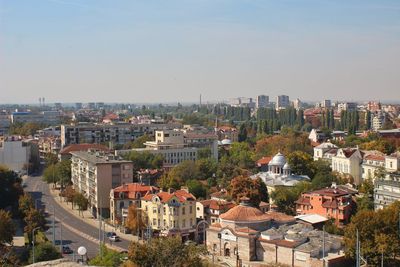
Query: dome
[279, 160]
[286, 166]
[226, 142]
[242, 213]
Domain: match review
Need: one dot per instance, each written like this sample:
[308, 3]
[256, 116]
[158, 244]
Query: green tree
[204, 153]
[197, 188]
[184, 171]
[206, 168]
[135, 221]
[157, 253]
[138, 142]
[284, 197]
[108, 258]
[50, 159]
[301, 163]
[10, 187]
[7, 228]
[45, 252]
[25, 203]
[33, 218]
[81, 201]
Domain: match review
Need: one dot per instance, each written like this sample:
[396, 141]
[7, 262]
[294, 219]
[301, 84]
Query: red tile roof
[263, 161]
[83, 147]
[133, 189]
[182, 196]
[333, 192]
[330, 204]
[303, 201]
[375, 157]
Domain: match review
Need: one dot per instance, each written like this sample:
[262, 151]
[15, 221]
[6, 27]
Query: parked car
[110, 234]
[66, 250]
[114, 238]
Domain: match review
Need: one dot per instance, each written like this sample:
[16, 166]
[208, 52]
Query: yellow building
[171, 213]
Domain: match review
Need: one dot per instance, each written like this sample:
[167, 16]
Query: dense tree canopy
[108, 258]
[244, 186]
[157, 253]
[10, 187]
[7, 228]
[135, 221]
[45, 252]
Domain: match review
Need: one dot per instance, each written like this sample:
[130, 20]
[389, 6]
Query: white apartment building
[282, 102]
[326, 103]
[94, 174]
[386, 191]
[348, 161]
[120, 133]
[297, 104]
[347, 106]
[15, 153]
[325, 151]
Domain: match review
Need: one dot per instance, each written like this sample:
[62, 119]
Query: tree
[58, 173]
[206, 167]
[81, 201]
[157, 253]
[377, 230]
[33, 218]
[136, 220]
[138, 142]
[284, 197]
[7, 228]
[25, 203]
[244, 186]
[69, 194]
[301, 163]
[322, 180]
[50, 159]
[10, 187]
[196, 188]
[203, 153]
[144, 160]
[108, 258]
[45, 252]
[184, 171]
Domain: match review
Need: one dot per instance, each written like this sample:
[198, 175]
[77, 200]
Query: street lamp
[33, 244]
[82, 251]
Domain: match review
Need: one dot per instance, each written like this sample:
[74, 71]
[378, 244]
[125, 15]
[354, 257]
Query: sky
[158, 51]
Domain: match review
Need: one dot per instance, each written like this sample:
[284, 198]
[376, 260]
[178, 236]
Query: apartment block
[282, 102]
[115, 133]
[94, 174]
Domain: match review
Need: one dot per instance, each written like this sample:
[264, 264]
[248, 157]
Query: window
[183, 223]
[154, 221]
[191, 222]
[183, 211]
[164, 210]
[154, 210]
[191, 209]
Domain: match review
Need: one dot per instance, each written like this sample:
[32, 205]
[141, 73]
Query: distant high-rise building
[262, 101]
[282, 102]
[297, 103]
[348, 106]
[325, 103]
[91, 105]
[78, 105]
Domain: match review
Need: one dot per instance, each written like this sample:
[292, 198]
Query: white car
[114, 238]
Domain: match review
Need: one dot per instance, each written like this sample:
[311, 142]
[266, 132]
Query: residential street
[75, 232]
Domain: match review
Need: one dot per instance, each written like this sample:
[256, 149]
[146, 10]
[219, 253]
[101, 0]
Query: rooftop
[83, 147]
[98, 158]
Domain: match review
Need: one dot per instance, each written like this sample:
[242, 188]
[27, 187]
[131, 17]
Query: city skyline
[158, 52]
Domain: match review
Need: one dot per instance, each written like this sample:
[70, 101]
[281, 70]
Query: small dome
[278, 160]
[286, 166]
[226, 142]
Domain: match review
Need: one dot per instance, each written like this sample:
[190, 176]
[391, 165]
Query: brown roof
[263, 161]
[303, 201]
[348, 152]
[83, 147]
[333, 192]
[281, 242]
[182, 196]
[133, 189]
[330, 204]
[375, 157]
[244, 213]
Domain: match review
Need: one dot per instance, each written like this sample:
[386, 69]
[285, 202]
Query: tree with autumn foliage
[136, 220]
[378, 232]
[244, 186]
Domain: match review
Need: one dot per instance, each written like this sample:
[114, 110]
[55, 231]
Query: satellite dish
[82, 251]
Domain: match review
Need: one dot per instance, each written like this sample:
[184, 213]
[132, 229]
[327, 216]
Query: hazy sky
[170, 50]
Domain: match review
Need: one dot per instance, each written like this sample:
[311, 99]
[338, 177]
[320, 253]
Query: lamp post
[33, 244]
[82, 252]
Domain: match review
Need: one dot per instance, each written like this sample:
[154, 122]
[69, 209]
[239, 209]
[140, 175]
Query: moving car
[66, 250]
[114, 238]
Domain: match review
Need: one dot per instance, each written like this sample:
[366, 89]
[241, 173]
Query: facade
[94, 174]
[262, 101]
[371, 164]
[325, 151]
[377, 120]
[282, 102]
[49, 145]
[245, 236]
[326, 103]
[5, 122]
[48, 117]
[386, 191]
[297, 104]
[317, 136]
[125, 195]
[115, 133]
[348, 161]
[15, 153]
[171, 213]
[332, 203]
[346, 106]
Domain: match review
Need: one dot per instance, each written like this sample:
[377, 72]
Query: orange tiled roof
[182, 196]
[82, 147]
[375, 157]
[245, 213]
[263, 161]
[133, 189]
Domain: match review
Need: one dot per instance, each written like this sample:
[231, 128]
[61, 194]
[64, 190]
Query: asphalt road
[43, 199]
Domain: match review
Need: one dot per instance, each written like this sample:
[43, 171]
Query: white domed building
[279, 174]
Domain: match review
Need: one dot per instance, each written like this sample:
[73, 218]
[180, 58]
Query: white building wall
[14, 154]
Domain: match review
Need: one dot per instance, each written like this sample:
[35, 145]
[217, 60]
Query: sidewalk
[88, 218]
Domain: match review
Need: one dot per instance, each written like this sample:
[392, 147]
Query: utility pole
[54, 232]
[323, 246]
[61, 240]
[357, 252]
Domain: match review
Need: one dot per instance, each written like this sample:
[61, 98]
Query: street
[43, 199]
